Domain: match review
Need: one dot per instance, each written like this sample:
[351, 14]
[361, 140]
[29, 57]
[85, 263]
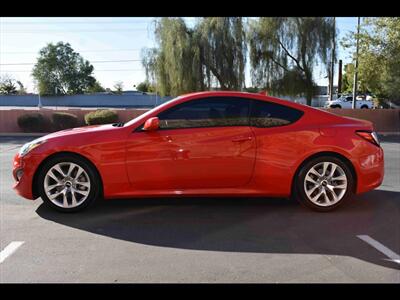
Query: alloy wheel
[67, 184]
[325, 184]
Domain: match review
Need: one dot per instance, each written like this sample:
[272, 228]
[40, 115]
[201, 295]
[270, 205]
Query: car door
[202, 143]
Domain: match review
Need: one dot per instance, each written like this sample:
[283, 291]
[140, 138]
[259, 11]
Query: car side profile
[218, 144]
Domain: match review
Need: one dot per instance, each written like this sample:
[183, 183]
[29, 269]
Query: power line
[110, 70]
[83, 51]
[77, 22]
[98, 61]
[73, 31]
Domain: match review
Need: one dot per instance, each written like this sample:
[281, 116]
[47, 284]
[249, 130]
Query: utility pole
[356, 66]
[332, 71]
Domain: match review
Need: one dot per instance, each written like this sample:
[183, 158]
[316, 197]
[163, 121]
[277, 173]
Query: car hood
[80, 130]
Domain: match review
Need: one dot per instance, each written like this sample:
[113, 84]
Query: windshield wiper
[118, 124]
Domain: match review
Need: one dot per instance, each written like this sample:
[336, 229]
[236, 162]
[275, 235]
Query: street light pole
[356, 66]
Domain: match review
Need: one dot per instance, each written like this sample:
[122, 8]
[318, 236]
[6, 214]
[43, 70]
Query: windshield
[150, 112]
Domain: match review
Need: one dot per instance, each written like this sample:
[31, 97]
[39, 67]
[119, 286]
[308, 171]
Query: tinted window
[267, 114]
[207, 112]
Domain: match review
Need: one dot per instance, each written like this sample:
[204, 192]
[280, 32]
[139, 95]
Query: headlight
[28, 147]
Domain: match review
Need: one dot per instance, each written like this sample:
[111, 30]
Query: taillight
[370, 136]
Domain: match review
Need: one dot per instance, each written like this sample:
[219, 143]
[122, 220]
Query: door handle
[242, 139]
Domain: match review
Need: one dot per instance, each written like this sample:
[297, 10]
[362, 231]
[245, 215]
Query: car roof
[257, 96]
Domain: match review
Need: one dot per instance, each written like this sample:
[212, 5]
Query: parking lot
[202, 240]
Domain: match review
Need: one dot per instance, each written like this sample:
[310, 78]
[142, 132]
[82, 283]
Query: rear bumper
[370, 171]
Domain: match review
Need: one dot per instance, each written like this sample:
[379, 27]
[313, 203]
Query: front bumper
[23, 184]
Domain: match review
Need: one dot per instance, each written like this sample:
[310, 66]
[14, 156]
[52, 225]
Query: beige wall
[385, 120]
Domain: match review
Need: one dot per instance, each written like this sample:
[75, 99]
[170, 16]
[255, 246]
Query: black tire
[336, 106]
[299, 191]
[95, 189]
[364, 106]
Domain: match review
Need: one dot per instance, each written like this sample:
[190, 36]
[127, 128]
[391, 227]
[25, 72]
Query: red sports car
[228, 144]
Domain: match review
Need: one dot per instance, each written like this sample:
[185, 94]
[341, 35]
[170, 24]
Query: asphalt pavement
[263, 240]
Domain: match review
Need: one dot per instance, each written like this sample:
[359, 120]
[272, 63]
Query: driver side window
[207, 112]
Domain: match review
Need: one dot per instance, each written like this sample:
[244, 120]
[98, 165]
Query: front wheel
[324, 183]
[68, 183]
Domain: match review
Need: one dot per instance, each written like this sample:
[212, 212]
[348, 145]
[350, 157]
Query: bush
[101, 117]
[63, 120]
[33, 122]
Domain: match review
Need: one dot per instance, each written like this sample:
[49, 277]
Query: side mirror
[151, 124]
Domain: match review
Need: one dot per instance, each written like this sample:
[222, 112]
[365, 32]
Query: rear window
[267, 114]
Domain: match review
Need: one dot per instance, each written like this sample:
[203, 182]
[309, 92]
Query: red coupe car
[228, 144]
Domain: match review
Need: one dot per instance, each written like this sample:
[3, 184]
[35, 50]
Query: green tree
[222, 47]
[60, 67]
[7, 85]
[174, 66]
[284, 51]
[191, 59]
[379, 56]
[145, 87]
[347, 79]
[96, 88]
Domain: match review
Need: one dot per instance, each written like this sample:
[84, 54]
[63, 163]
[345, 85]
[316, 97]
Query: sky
[111, 44]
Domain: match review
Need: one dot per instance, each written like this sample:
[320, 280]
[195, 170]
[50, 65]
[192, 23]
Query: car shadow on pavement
[257, 225]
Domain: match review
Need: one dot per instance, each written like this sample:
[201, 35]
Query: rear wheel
[324, 183]
[68, 183]
[364, 106]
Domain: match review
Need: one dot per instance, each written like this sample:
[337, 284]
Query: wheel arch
[35, 191]
[326, 153]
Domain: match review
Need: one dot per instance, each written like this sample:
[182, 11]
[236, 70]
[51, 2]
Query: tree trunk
[309, 87]
[309, 95]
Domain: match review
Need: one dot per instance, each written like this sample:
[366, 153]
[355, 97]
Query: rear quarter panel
[282, 150]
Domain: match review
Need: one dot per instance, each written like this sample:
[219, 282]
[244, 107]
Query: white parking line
[382, 248]
[10, 249]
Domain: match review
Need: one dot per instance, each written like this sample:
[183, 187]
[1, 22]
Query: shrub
[33, 122]
[101, 117]
[63, 120]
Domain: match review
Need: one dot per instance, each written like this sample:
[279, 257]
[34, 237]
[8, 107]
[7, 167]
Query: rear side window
[207, 112]
[267, 114]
